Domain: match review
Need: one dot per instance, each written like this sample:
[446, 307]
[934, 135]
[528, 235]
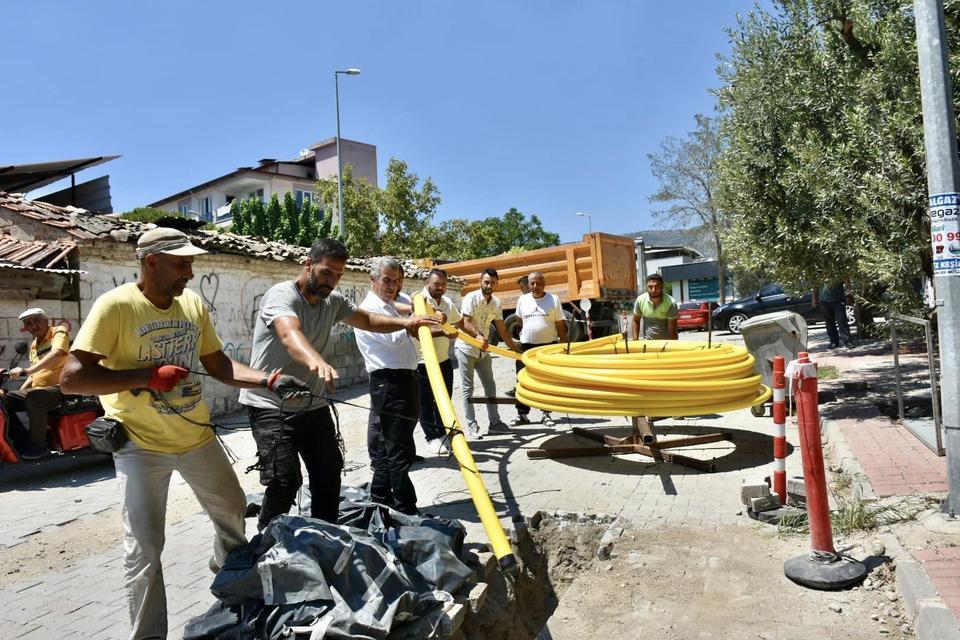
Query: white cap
[36, 311]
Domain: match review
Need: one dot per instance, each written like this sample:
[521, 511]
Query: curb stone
[843, 454]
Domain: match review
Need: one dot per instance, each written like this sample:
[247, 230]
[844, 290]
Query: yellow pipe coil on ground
[458, 444]
[613, 377]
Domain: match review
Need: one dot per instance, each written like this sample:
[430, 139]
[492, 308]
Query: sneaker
[548, 420]
[519, 420]
[473, 432]
[512, 393]
[499, 427]
[35, 452]
[438, 446]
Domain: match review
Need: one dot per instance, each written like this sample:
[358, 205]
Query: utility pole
[943, 185]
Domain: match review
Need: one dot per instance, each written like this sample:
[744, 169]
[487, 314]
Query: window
[255, 195]
[206, 208]
[230, 199]
[184, 207]
[303, 197]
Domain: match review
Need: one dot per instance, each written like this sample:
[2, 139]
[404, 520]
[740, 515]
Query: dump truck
[601, 268]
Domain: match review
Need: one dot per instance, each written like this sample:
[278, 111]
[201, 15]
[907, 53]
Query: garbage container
[782, 333]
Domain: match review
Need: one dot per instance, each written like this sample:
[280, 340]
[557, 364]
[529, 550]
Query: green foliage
[149, 214]
[280, 220]
[397, 220]
[240, 213]
[460, 239]
[360, 202]
[822, 171]
[687, 172]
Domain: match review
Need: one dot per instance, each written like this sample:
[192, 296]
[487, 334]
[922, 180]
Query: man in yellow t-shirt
[40, 392]
[140, 349]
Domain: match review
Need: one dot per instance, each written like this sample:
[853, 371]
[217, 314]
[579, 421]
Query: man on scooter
[40, 393]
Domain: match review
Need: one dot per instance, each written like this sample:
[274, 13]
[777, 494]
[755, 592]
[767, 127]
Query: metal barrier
[934, 387]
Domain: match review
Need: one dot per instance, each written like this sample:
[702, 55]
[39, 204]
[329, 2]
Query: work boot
[499, 427]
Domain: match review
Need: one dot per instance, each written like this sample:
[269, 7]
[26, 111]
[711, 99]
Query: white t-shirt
[385, 350]
[540, 317]
[441, 344]
[481, 313]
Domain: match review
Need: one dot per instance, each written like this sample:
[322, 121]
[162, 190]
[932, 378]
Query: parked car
[694, 315]
[768, 299]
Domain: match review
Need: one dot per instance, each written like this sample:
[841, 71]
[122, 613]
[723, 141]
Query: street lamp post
[336, 82]
[589, 220]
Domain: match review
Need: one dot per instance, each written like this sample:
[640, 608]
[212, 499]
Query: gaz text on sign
[945, 233]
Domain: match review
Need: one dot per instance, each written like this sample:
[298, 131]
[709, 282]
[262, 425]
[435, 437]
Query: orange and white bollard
[780, 429]
[822, 568]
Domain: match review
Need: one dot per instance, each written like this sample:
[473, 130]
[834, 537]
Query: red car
[695, 315]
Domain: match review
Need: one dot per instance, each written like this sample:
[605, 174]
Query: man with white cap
[40, 392]
[140, 349]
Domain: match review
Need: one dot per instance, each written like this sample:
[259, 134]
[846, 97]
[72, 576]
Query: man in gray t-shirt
[291, 332]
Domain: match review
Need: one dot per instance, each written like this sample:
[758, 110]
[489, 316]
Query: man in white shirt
[391, 362]
[430, 420]
[541, 322]
[479, 309]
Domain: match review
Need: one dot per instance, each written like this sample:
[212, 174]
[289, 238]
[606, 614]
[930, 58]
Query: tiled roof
[35, 254]
[83, 225]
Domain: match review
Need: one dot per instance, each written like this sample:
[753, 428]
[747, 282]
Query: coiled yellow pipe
[458, 444]
[612, 377]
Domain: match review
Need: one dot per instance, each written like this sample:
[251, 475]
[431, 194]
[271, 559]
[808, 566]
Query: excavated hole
[552, 549]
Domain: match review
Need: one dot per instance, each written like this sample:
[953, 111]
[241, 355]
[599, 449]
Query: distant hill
[695, 237]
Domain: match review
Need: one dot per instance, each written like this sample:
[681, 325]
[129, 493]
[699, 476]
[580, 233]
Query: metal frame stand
[643, 441]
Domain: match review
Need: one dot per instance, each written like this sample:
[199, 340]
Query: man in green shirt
[657, 311]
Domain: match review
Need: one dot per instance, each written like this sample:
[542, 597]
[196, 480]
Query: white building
[210, 201]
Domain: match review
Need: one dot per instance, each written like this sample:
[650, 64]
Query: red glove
[166, 377]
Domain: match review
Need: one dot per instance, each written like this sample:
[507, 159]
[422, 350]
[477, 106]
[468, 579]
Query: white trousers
[144, 483]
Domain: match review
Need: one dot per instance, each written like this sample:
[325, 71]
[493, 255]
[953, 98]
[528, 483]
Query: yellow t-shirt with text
[132, 333]
[55, 338]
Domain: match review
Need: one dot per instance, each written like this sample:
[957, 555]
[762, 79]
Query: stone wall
[230, 285]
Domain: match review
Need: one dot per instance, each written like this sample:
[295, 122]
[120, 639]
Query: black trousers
[522, 409]
[430, 420]
[394, 400]
[310, 436]
[838, 329]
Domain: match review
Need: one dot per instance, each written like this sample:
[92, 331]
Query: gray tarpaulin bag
[306, 578]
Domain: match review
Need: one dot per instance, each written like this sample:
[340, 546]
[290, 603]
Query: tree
[361, 208]
[687, 172]
[240, 216]
[406, 211]
[461, 239]
[822, 169]
[149, 214]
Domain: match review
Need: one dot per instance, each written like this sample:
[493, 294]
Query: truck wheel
[735, 320]
[493, 336]
[575, 331]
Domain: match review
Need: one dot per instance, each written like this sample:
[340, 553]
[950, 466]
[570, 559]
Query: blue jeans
[484, 368]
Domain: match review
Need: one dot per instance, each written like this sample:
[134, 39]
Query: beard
[315, 288]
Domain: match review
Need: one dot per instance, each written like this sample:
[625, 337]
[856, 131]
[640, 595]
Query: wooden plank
[690, 441]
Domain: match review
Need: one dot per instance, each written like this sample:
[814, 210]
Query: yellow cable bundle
[641, 378]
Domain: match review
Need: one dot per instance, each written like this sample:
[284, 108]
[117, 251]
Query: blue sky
[551, 107]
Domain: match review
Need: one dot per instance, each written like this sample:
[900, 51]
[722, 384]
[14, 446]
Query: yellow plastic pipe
[471, 474]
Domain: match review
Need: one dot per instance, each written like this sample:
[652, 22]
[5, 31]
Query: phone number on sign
[949, 236]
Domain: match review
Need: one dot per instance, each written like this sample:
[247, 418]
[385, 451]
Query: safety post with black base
[823, 567]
